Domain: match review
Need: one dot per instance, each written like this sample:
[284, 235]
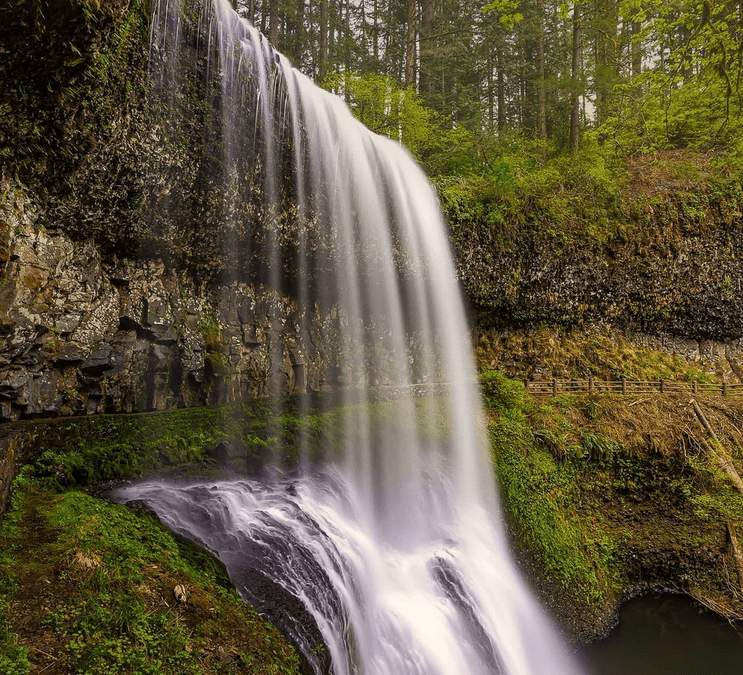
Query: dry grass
[546, 352]
[657, 423]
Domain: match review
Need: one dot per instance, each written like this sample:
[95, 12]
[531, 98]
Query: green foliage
[521, 187]
[691, 97]
[598, 447]
[90, 450]
[13, 659]
[507, 11]
[386, 108]
[501, 393]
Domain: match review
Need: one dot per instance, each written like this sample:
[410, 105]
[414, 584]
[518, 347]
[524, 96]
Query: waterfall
[386, 556]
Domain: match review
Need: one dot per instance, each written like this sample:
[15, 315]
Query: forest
[461, 82]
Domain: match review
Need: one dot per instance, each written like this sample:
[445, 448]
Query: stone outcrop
[82, 334]
[8, 451]
[674, 268]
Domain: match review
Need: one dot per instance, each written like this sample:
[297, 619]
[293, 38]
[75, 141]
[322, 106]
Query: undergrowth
[539, 494]
[89, 587]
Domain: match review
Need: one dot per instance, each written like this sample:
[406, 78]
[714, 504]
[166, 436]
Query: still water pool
[667, 635]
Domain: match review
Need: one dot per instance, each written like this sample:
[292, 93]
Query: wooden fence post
[554, 387]
[724, 388]
[662, 386]
[694, 386]
[590, 386]
[624, 386]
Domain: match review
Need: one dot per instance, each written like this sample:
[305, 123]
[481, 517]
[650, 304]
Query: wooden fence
[629, 387]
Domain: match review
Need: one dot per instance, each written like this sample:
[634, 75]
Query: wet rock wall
[83, 334]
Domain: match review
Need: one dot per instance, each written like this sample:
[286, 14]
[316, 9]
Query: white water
[395, 548]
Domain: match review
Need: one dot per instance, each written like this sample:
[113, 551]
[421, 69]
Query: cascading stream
[389, 551]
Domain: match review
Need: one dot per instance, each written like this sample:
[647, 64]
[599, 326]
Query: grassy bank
[91, 587]
[608, 496]
[236, 438]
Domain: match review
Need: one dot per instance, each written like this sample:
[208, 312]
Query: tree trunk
[273, 22]
[501, 92]
[298, 34]
[410, 46]
[529, 99]
[575, 75]
[541, 96]
[428, 14]
[376, 32]
[606, 24]
[636, 49]
[491, 92]
[347, 53]
[323, 70]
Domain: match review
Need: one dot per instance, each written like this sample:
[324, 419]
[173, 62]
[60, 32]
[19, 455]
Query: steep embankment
[87, 586]
[609, 497]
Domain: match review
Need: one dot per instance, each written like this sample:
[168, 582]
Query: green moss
[91, 586]
[211, 333]
[538, 494]
[578, 354]
[90, 450]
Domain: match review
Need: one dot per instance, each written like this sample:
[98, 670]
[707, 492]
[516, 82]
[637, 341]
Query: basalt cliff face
[670, 262]
[85, 333]
[114, 290]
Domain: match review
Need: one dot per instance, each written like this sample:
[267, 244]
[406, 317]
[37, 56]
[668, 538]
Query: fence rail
[629, 387]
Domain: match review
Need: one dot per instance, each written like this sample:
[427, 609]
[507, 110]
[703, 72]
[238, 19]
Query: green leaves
[507, 9]
[386, 108]
[689, 94]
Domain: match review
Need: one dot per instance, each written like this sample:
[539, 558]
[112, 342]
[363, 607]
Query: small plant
[211, 332]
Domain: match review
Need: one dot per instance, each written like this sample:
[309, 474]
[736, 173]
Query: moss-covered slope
[609, 496]
[91, 587]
